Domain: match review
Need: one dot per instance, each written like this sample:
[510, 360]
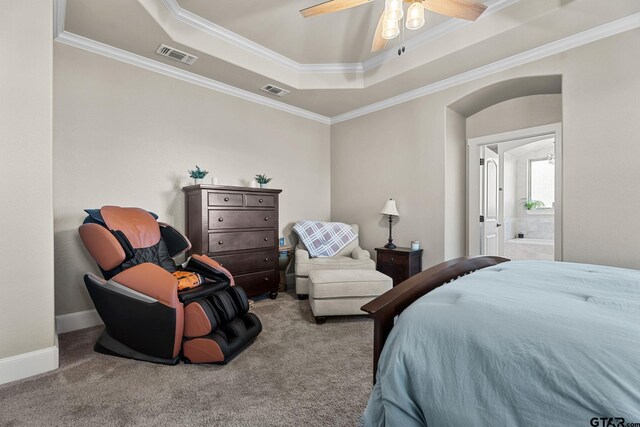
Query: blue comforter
[531, 343]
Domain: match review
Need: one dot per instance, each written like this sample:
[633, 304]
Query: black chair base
[108, 345]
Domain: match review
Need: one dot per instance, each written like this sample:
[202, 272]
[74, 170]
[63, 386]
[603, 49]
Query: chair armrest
[301, 254]
[359, 253]
[209, 268]
[150, 280]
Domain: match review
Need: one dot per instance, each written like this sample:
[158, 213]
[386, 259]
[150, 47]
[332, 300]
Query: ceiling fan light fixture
[415, 16]
[393, 10]
[390, 29]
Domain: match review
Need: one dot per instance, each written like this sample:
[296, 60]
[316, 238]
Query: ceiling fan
[388, 27]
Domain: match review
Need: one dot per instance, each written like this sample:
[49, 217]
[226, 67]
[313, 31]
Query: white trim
[530, 135]
[168, 70]
[78, 320]
[59, 9]
[25, 365]
[594, 34]
[250, 46]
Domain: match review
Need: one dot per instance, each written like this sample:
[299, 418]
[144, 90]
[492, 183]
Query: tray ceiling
[324, 61]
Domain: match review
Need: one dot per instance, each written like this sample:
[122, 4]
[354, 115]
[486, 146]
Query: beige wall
[515, 114]
[26, 227]
[126, 136]
[400, 151]
[455, 186]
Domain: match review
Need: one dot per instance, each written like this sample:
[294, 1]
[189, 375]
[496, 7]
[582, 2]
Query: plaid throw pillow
[324, 239]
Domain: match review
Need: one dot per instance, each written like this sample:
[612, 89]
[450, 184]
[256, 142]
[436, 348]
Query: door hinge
[481, 218]
[481, 162]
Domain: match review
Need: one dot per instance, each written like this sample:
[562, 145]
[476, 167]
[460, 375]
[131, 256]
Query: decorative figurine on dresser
[238, 227]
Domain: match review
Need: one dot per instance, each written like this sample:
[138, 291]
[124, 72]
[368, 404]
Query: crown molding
[168, 70]
[594, 34]
[585, 37]
[237, 40]
[59, 9]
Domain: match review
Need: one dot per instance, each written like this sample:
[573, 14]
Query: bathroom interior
[528, 192]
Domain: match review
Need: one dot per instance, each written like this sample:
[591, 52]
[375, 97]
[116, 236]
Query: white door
[490, 202]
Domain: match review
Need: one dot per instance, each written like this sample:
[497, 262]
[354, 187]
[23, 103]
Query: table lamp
[391, 210]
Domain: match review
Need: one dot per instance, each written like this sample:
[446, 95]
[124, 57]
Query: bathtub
[528, 248]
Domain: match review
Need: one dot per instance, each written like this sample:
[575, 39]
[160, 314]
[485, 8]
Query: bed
[507, 343]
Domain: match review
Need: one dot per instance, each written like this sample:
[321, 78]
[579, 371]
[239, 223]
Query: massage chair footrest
[106, 344]
[224, 343]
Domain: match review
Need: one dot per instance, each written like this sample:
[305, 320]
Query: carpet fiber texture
[295, 373]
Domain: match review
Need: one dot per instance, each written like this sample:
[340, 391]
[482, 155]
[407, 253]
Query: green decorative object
[530, 205]
[198, 174]
[262, 179]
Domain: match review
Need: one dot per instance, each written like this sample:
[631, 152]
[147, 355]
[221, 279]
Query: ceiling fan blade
[378, 41]
[331, 6]
[464, 9]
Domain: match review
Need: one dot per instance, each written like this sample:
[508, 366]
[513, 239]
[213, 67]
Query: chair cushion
[347, 283]
[303, 268]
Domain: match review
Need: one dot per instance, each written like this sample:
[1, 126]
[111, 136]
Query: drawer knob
[220, 220]
[391, 259]
[220, 242]
[266, 279]
[266, 218]
[226, 199]
[266, 260]
[266, 239]
[260, 201]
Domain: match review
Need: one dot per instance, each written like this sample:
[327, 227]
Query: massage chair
[152, 309]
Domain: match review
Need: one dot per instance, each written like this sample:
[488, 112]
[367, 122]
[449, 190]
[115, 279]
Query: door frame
[473, 185]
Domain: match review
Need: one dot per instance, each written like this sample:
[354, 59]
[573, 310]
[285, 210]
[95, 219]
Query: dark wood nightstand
[399, 263]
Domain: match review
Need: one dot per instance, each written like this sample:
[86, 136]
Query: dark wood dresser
[399, 263]
[238, 227]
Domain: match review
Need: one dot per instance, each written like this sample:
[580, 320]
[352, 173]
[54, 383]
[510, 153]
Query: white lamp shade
[393, 10]
[415, 16]
[390, 29]
[390, 208]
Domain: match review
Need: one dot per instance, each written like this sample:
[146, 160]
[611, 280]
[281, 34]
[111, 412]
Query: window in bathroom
[542, 181]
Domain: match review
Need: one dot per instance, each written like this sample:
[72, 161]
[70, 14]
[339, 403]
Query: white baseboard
[28, 364]
[79, 320]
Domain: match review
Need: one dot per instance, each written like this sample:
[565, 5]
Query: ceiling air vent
[176, 54]
[274, 90]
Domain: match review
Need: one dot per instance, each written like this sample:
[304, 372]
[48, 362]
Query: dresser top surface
[398, 249]
[199, 187]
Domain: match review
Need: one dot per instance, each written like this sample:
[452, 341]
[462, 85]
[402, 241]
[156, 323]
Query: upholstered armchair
[351, 257]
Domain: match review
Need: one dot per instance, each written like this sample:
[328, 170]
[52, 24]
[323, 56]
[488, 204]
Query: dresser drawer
[248, 262]
[259, 201]
[219, 220]
[258, 283]
[225, 199]
[240, 240]
[390, 258]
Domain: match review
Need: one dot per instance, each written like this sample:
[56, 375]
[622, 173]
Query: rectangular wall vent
[274, 90]
[176, 54]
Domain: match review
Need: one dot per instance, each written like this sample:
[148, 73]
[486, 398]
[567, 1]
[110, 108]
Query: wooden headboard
[390, 304]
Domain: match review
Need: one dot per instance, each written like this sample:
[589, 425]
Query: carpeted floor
[296, 373]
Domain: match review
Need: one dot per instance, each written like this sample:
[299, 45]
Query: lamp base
[390, 246]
